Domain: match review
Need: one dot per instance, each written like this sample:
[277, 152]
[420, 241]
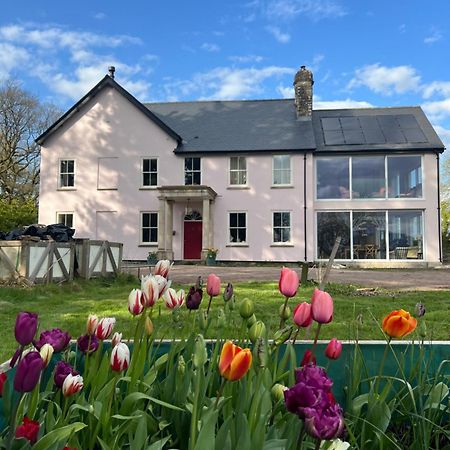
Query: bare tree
[22, 119]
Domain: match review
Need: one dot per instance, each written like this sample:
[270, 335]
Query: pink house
[262, 180]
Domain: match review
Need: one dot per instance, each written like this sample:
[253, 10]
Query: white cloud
[437, 87]
[246, 59]
[281, 37]
[314, 9]
[386, 80]
[437, 110]
[11, 57]
[444, 134]
[99, 16]
[285, 91]
[348, 103]
[434, 36]
[210, 47]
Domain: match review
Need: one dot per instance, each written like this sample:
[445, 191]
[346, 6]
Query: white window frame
[65, 213]
[60, 186]
[194, 171]
[149, 186]
[141, 228]
[242, 243]
[290, 172]
[282, 243]
[238, 171]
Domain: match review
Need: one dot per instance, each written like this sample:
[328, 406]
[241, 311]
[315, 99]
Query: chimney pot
[303, 83]
[111, 71]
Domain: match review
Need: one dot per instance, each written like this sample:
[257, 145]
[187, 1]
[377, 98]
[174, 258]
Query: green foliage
[17, 213]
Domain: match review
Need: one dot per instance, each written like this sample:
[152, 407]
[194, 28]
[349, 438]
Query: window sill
[66, 189]
[237, 245]
[238, 186]
[282, 244]
[282, 186]
[107, 189]
[149, 244]
[148, 188]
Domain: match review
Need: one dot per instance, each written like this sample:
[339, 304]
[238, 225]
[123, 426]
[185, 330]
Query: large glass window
[149, 172]
[281, 227]
[333, 178]
[368, 180]
[405, 235]
[238, 171]
[149, 227]
[192, 174]
[238, 227]
[330, 225]
[404, 176]
[369, 235]
[281, 170]
[66, 173]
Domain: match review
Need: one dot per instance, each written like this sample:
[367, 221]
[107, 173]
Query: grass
[67, 306]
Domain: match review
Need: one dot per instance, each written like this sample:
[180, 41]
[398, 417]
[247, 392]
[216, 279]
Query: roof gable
[107, 81]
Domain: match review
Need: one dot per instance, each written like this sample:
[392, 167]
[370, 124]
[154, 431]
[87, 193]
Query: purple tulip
[87, 344]
[61, 371]
[194, 298]
[228, 292]
[26, 326]
[28, 372]
[326, 423]
[301, 397]
[57, 338]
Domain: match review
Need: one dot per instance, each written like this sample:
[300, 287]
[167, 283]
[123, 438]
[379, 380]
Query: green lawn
[67, 306]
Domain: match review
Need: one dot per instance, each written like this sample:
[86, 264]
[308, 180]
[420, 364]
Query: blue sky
[383, 53]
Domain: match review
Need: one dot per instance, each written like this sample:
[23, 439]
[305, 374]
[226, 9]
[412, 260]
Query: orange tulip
[234, 361]
[399, 323]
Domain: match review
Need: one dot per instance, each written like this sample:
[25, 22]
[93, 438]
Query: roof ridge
[222, 101]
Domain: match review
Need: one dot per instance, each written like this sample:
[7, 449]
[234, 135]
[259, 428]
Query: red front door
[193, 240]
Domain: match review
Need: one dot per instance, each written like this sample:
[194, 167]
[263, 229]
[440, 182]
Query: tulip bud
[120, 357]
[308, 358]
[302, 315]
[333, 349]
[419, 309]
[321, 306]
[148, 326]
[46, 353]
[228, 292]
[181, 365]
[28, 372]
[285, 312]
[91, 324]
[25, 328]
[116, 339]
[213, 285]
[72, 384]
[150, 290]
[200, 354]
[203, 319]
[136, 301]
[246, 308]
[277, 392]
[105, 327]
[288, 283]
[257, 330]
[251, 320]
[162, 268]
[281, 336]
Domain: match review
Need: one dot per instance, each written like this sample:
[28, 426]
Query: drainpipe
[304, 203]
[439, 208]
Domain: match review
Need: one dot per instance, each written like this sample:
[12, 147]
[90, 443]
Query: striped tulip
[105, 327]
[162, 268]
[234, 361]
[46, 353]
[91, 324]
[163, 284]
[136, 302]
[150, 289]
[173, 299]
[72, 384]
[116, 339]
[120, 357]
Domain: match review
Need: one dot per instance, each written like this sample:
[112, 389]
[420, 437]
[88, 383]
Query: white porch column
[205, 227]
[169, 230]
[162, 229]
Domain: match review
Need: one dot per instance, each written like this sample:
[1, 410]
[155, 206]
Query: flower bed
[256, 393]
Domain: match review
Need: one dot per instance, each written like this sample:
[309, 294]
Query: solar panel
[350, 123]
[407, 121]
[354, 137]
[414, 136]
[371, 130]
[330, 124]
[334, 137]
[391, 130]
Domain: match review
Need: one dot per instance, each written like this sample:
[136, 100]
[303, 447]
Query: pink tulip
[334, 349]
[213, 285]
[162, 268]
[150, 289]
[105, 327]
[136, 302]
[288, 283]
[302, 315]
[173, 299]
[322, 306]
[120, 357]
[72, 384]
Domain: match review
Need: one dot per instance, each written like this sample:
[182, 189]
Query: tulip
[194, 298]
[29, 430]
[419, 309]
[136, 302]
[72, 384]
[162, 268]
[228, 292]
[284, 312]
[91, 324]
[173, 299]
[46, 353]
[120, 357]
[28, 372]
[321, 306]
[61, 371]
[399, 323]
[150, 290]
[308, 358]
[57, 338]
[302, 315]
[246, 308]
[116, 339]
[87, 344]
[333, 349]
[234, 361]
[3, 378]
[277, 392]
[105, 327]
[213, 285]
[163, 284]
[288, 283]
[257, 331]
[148, 326]
[251, 320]
[26, 326]
[327, 423]
[200, 355]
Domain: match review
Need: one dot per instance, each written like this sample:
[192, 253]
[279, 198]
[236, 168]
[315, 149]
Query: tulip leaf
[275, 444]
[437, 394]
[140, 436]
[379, 415]
[357, 403]
[207, 435]
[103, 444]
[60, 434]
[120, 417]
[159, 445]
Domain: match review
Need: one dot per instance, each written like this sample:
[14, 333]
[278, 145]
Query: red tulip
[120, 357]
[72, 384]
[308, 358]
[105, 327]
[334, 349]
[321, 306]
[302, 315]
[116, 339]
[28, 430]
[2, 382]
[136, 302]
[288, 283]
[234, 361]
[213, 285]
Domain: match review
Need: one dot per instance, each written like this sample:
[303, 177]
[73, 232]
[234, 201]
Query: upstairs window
[281, 170]
[66, 173]
[404, 176]
[149, 172]
[149, 227]
[192, 173]
[238, 227]
[238, 171]
[281, 227]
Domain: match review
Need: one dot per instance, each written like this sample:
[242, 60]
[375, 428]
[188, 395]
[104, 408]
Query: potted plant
[152, 258]
[211, 256]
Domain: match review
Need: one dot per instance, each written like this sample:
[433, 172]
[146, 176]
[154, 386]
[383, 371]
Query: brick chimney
[303, 83]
